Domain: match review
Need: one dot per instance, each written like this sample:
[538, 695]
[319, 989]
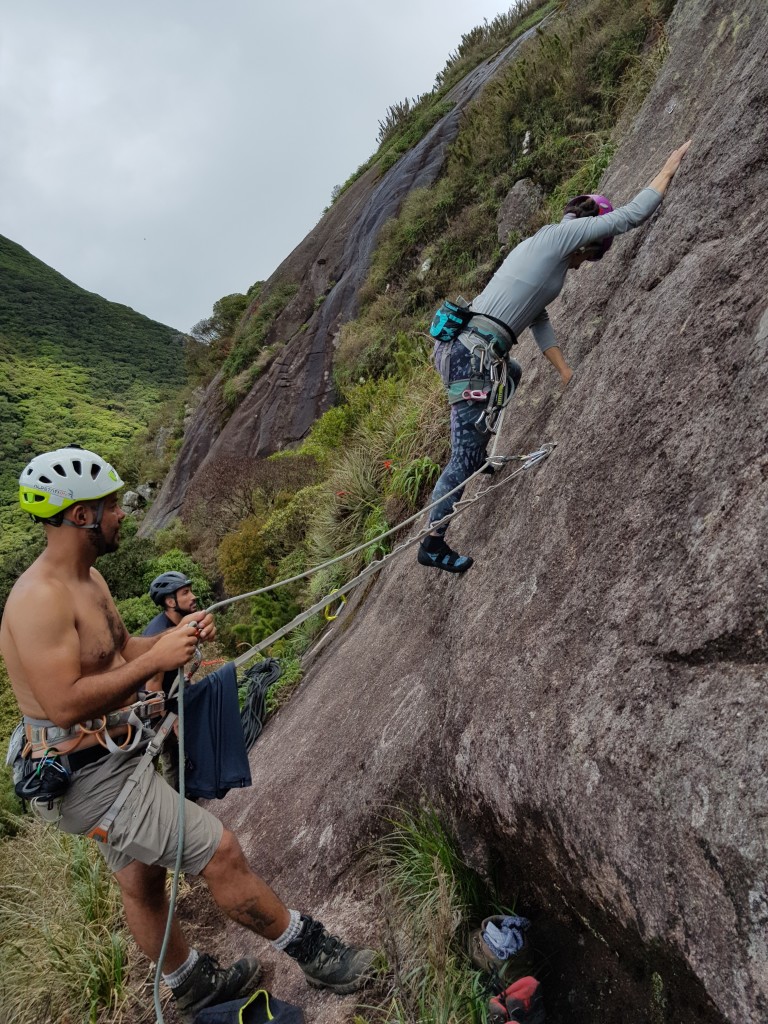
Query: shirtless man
[70, 660]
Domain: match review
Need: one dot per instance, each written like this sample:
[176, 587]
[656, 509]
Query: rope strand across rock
[529, 461]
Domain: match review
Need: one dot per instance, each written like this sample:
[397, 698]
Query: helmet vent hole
[57, 468]
[44, 479]
[95, 470]
[77, 467]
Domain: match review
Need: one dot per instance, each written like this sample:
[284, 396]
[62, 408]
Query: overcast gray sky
[164, 153]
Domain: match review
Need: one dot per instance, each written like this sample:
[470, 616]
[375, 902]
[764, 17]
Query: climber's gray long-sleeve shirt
[534, 272]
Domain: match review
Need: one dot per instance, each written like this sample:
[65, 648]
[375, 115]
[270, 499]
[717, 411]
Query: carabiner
[330, 616]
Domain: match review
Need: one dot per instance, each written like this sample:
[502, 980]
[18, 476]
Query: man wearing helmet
[70, 661]
[172, 591]
[517, 295]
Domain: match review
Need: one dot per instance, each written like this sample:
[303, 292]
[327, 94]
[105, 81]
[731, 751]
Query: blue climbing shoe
[433, 551]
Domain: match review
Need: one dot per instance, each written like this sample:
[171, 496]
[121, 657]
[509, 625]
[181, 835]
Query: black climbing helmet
[166, 584]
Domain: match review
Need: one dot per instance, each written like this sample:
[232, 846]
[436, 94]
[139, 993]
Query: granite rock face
[517, 210]
[588, 704]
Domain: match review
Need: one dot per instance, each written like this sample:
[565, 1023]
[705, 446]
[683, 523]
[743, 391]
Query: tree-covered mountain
[73, 368]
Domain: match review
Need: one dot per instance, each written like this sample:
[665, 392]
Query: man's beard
[102, 545]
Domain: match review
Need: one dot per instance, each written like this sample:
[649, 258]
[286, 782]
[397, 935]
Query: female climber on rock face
[531, 276]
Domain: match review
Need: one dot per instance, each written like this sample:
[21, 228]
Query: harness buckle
[99, 833]
[474, 395]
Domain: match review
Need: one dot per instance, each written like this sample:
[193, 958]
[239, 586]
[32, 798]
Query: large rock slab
[588, 704]
[517, 210]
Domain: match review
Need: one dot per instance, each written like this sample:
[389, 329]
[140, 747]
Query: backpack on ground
[260, 1008]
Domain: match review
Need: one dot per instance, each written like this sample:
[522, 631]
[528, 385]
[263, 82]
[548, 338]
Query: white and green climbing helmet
[56, 480]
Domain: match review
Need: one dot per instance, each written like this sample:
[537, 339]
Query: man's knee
[228, 856]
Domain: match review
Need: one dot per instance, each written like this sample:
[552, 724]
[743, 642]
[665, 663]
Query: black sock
[431, 543]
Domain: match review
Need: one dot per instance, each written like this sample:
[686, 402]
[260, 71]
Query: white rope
[181, 809]
[491, 460]
[531, 460]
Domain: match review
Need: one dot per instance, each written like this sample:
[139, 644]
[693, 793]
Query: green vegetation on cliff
[406, 123]
[73, 368]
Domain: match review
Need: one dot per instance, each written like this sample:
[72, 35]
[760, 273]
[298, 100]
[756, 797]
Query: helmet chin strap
[96, 525]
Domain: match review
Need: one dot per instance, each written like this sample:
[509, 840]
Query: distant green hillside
[73, 368]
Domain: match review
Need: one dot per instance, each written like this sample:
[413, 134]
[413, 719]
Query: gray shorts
[146, 827]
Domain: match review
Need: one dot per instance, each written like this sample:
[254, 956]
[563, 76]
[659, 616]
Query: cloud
[166, 154]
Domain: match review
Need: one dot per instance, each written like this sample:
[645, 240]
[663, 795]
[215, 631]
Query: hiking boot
[524, 1003]
[327, 962]
[435, 552]
[208, 984]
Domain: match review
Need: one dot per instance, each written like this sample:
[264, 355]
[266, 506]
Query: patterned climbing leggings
[468, 447]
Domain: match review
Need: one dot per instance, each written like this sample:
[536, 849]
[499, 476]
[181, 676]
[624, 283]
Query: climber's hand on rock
[668, 171]
[675, 158]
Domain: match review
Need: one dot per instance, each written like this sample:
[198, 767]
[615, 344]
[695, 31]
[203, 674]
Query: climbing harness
[43, 756]
[453, 318]
[488, 340]
[100, 831]
[126, 724]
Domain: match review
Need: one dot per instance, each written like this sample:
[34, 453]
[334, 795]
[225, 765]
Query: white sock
[291, 932]
[181, 974]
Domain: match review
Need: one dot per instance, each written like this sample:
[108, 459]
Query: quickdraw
[498, 397]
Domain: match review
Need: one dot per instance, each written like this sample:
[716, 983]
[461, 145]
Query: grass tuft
[431, 895]
[63, 955]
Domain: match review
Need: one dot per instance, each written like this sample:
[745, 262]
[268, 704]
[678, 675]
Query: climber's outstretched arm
[667, 172]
